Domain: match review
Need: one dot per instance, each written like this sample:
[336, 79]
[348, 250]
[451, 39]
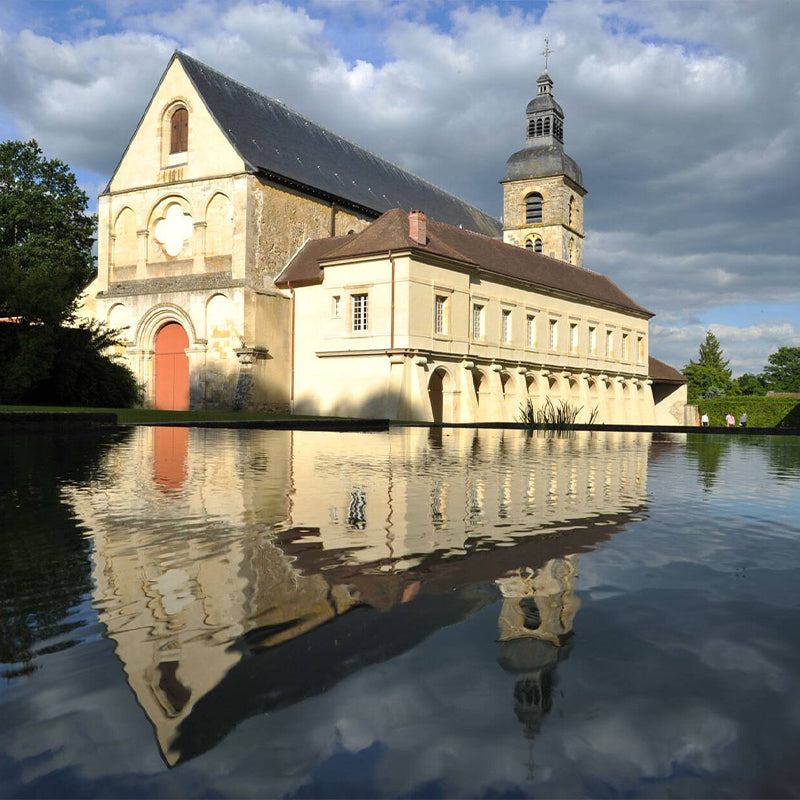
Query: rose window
[173, 229]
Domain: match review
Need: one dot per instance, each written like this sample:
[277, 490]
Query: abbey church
[255, 260]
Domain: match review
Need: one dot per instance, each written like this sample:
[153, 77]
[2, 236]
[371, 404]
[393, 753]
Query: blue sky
[682, 116]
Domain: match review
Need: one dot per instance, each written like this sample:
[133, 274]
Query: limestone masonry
[255, 260]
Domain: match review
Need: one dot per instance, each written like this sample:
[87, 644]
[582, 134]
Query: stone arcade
[256, 260]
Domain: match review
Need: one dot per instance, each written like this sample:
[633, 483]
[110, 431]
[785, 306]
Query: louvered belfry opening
[179, 131]
[533, 208]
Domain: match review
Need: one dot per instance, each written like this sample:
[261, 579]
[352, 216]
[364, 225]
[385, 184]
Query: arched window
[547, 126]
[572, 214]
[179, 131]
[531, 127]
[529, 244]
[538, 127]
[533, 208]
[571, 251]
[537, 245]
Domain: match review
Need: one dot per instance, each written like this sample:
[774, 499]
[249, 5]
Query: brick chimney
[418, 226]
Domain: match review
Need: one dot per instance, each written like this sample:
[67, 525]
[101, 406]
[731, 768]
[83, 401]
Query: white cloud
[683, 117]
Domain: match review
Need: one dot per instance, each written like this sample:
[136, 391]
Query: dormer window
[533, 208]
[179, 131]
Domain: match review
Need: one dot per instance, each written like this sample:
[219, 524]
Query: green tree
[46, 260]
[46, 236]
[710, 373]
[750, 384]
[782, 373]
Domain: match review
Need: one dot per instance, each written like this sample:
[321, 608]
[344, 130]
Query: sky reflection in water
[454, 613]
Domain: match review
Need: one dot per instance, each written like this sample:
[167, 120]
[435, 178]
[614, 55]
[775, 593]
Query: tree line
[711, 376]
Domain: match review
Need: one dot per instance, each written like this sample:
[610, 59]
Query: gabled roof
[286, 147]
[390, 232]
[663, 373]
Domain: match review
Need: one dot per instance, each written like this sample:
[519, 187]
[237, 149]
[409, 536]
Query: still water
[409, 614]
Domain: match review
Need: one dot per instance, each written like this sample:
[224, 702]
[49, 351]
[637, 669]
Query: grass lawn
[125, 415]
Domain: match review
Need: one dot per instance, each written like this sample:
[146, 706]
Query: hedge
[762, 412]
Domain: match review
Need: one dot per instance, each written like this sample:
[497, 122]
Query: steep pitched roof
[390, 232]
[663, 373]
[285, 146]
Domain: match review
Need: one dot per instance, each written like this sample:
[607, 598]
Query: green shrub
[762, 412]
[63, 366]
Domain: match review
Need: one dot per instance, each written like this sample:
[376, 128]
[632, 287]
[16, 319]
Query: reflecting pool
[454, 613]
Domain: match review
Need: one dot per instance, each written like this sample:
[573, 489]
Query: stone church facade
[255, 260]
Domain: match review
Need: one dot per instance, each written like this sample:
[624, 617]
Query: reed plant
[552, 416]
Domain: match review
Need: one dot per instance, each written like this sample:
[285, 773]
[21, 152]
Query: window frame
[530, 331]
[506, 321]
[359, 317]
[440, 321]
[179, 134]
[478, 327]
[552, 338]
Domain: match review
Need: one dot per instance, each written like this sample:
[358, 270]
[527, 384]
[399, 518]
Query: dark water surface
[413, 614]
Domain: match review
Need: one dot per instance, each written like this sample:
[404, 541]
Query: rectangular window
[360, 318]
[336, 306]
[610, 344]
[530, 331]
[439, 314]
[506, 332]
[477, 322]
[573, 338]
[624, 346]
[592, 340]
[554, 334]
[641, 349]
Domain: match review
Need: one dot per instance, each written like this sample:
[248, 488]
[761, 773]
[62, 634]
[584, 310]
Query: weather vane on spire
[547, 52]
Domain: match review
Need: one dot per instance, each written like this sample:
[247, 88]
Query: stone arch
[158, 316]
[119, 318]
[440, 389]
[480, 382]
[219, 225]
[531, 385]
[165, 130]
[222, 339]
[125, 249]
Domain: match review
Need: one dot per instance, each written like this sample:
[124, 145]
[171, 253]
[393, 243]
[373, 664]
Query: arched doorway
[172, 368]
[435, 394]
[438, 387]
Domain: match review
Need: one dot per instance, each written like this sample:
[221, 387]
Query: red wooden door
[172, 368]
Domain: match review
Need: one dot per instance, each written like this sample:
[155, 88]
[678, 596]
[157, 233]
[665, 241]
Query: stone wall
[554, 228]
[280, 221]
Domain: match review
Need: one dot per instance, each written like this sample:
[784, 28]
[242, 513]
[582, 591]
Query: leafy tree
[710, 372]
[749, 384]
[782, 373]
[46, 236]
[46, 260]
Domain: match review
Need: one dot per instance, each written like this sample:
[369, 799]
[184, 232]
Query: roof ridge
[298, 114]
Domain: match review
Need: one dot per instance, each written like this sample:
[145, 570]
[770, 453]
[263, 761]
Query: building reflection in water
[220, 555]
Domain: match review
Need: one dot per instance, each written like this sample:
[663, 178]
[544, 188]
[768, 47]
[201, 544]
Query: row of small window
[479, 331]
[541, 127]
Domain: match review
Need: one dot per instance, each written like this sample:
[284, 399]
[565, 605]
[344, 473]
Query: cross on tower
[547, 52]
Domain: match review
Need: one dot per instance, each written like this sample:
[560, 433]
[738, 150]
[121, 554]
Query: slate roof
[663, 373]
[390, 232]
[285, 146]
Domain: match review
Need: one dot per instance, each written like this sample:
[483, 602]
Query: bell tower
[543, 187]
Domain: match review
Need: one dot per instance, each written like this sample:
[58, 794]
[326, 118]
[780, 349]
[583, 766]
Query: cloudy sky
[684, 117]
